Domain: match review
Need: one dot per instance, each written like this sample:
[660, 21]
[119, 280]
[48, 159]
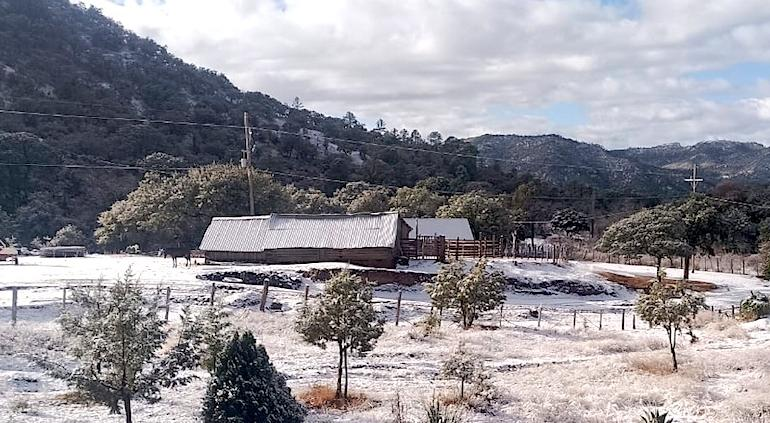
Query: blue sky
[614, 72]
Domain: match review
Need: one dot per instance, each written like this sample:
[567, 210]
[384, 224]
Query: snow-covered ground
[550, 373]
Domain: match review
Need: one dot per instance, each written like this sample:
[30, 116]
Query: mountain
[564, 161]
[715, 159]
[659, 169]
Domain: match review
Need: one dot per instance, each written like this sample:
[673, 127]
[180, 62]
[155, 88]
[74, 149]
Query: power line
[738, 203]
[305, 135]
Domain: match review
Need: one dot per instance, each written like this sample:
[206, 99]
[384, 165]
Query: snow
[546, 371]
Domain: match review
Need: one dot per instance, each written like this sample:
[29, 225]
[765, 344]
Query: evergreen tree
[702, 227]
[487, 214]
[658, 232]
[461, 365]
[344, 315]
[116, 338]
[245, 387]
[469, 293]
[68, 235]
[569, 222]
[435, 138]
[416, 202]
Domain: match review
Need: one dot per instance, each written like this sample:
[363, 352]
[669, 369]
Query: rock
[280, 280]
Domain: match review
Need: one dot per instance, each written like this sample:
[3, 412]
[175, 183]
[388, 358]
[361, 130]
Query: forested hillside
[58, 58]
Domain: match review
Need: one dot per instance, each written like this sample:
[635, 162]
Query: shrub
[427, 326]
[755, 307]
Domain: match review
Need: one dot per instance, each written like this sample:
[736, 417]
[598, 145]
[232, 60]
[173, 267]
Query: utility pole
[694, 179]
[246, 160]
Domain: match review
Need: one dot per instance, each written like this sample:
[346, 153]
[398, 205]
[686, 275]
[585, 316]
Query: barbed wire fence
[508, 315]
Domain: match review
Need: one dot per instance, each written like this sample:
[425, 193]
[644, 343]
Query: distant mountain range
[662, 169]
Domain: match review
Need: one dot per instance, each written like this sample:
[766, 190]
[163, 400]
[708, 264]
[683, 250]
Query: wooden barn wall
[371, 257]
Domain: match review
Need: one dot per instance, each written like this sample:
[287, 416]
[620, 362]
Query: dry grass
[74, 397]
[644, 282]
[655, 364]
[323, 397]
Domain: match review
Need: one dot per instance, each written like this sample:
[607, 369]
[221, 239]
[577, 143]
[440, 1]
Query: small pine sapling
[117, 337]
[469, 293]
[245, 387]
[344, 315]
[461, 365]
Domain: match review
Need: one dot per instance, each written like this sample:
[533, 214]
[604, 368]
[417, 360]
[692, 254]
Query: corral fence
[611, 318]
[441, 249]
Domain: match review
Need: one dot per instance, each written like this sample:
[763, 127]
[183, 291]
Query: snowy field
[550, 373]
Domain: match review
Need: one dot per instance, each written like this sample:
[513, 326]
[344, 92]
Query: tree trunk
[672, 346]
[462, 388]
[338, 394]
[345, 392]
[659, 264]
[686, 268]
[127, 407]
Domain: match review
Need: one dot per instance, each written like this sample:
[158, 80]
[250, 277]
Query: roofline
[309, 216]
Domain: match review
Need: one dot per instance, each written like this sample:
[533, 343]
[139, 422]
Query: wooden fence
[424, 247]
[748, 264]
[439, 248]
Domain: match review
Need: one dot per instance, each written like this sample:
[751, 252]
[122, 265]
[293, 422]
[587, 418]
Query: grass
[323, 397]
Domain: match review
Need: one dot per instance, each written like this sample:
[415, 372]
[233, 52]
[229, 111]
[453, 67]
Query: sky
[619, 73]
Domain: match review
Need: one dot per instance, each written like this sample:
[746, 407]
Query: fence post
[457, 248]
[574, 319]
[601, 314]
[398, 308]
[168, 302]
[263, 301]
[501, 314]
[633, 321]
[623, 320]
[64, 298]
[307, 292]
[14, 301]
[213, 290]
[539, 315]
[733, 310]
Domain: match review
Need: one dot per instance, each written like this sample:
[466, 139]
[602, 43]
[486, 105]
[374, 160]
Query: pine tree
[116, 337]
[469, 293]
[345, 316]
[245, 387]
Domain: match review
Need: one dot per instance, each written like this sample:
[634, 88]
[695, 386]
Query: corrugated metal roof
[451, 228]
[277, 231]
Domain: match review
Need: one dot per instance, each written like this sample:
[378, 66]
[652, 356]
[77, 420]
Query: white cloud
[443, 64]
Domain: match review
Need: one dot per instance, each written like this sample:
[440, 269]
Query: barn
[367, 239]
